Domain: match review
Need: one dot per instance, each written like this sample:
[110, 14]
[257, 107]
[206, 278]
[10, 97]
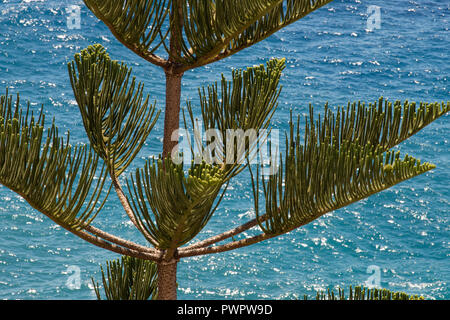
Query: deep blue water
[404, 231]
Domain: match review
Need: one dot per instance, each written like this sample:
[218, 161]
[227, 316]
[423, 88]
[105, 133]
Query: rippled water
[331, 57]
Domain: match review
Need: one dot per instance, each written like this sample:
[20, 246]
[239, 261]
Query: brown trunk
[167, 280]
[172, 112]
[167, 270]
[173, 79]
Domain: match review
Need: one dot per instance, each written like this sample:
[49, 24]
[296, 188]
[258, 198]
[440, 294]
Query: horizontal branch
[99, 242]
[119, 241]
[223, 236]
[184, 252]
[226, 247]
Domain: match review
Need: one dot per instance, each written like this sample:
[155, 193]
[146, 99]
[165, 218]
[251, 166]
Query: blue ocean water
[402, 232]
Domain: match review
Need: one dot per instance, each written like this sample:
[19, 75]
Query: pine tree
[342, 157]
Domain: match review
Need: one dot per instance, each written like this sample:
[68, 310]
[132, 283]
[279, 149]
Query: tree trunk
[167, 280]
[172, 112]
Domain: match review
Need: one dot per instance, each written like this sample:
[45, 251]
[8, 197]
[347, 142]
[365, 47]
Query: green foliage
[219, 28]
[181, 205]
[343, 159]
[116, 117]
[128, 279]
[248, 102]
[362, 293]
[51, 175]
[381, 123]
[136, 23]
[202, 31]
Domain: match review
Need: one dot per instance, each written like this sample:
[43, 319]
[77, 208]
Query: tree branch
[195, 251]
[132, 249]
[226, 247]
[114, 247]
[150, 57]
[223, 236]
[124, 201]
[119, 241]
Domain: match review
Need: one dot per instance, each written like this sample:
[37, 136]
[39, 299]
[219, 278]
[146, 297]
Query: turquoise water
[403, 232]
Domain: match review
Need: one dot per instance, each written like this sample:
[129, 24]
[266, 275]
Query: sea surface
[397, 239]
